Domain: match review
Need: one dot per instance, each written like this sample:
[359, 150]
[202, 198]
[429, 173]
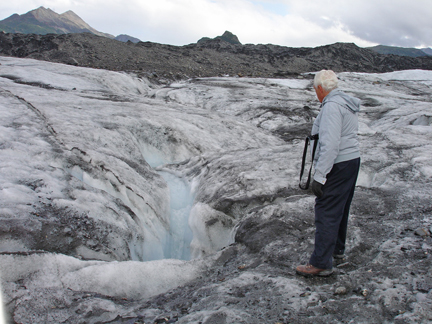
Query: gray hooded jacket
[337, 126]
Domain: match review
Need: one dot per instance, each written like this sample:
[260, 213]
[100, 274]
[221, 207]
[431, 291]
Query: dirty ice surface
[117, 189]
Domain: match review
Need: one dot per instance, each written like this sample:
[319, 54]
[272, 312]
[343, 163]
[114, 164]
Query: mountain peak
[42, 11]
[230, 37]
[73, 17]
[227, 37]
[43, 14]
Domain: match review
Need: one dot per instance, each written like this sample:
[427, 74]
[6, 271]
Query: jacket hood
[341, 98]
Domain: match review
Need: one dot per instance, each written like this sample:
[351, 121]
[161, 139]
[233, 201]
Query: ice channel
[179, 237]
[170, 242]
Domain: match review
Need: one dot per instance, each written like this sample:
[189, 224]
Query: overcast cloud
[293, 23]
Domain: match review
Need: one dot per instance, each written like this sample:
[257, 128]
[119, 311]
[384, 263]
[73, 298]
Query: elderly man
[337, 165]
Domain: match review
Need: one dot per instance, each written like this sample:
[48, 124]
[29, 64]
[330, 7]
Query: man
[337, 165]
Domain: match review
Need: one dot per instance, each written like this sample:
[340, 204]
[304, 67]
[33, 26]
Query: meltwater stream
[177, 245]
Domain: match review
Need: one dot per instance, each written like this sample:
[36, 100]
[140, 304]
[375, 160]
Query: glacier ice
[2, 316]
[103, 170]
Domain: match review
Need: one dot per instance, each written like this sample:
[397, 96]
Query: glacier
[125, 200]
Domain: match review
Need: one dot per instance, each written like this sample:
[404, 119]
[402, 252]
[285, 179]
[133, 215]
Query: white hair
[327, 79]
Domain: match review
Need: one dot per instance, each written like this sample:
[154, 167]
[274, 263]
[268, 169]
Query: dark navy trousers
[331, 213]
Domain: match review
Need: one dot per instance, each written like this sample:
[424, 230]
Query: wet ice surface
[92, 163]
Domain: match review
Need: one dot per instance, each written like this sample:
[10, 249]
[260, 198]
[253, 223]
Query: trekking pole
[309, 138]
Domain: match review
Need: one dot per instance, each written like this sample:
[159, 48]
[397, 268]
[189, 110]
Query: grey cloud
[397, 22]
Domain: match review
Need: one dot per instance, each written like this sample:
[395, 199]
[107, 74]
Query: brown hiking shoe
[309, 270]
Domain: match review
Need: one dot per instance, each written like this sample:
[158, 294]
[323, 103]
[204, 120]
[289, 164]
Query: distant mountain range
[45, 21]
[402, 51]
[127, 38]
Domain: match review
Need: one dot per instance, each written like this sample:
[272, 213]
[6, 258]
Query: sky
[293, 23]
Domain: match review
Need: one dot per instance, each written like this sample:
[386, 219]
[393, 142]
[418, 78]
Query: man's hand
[317, 189]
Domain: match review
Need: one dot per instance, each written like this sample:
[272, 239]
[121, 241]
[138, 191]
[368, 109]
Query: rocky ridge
[212, 57]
